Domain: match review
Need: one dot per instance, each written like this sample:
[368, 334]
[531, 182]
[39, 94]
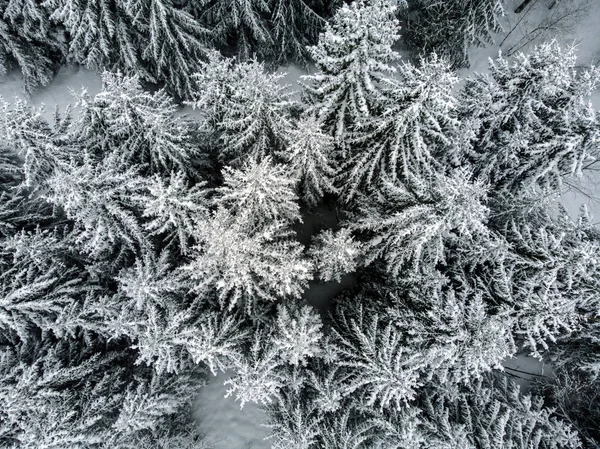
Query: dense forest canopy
[142, 250]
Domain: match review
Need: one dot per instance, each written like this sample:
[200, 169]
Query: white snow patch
[225, 425]
[57, 93]
[525, 370]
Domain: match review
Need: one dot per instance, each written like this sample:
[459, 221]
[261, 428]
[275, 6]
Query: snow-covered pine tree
[100, 34]
[28, 41]
[257, 377]
[136, 126]
[408, 222]
[241, 24]
[335, 254]
[310, 152]
[172, 42]
[68, 394]
[243, 267]
[104, 200]
[247, 107]
[551, 278]
[298, 336]
[152, 39]
[461, 338]
[18, 208]
[39, 283]
[295, 25]
[382, 371]
[530, 119]
[491, 412]
[352, 57]
[174, 209]
[416, 124]
[450, 27]
[259, 194]
[163, 323]
[40, 145]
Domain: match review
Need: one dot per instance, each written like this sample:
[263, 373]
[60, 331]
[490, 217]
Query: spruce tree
[416, 125]
[449, 28]
[530, 121]
[352, 57]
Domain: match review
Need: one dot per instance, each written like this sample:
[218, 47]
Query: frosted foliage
[56, 396]
[496, 415]
[293, 425]
[532, 123]
[295, 26]
[175, 209]
[335, 254]
[243, 268]
[383, 372]
[248, 107]
[449, 28]
[140, 126]
[460, 339]
[103, 200]
[216, 340]
[153, 39]
[149, 281]
[423, 214]
[257, 378]
[554, 280]
[25, 38]
[259, 193]
[31, 137]
[310, 155]
[353, 55]
[244, 19]
[298, 335]
[415, 125]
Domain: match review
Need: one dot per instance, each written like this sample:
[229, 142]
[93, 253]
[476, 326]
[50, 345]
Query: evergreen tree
[39, 284]
[172, 42]
[491, 412]
[335, 254]
[260, 193]
[244, 267]
[461, 337]
[175, 209]
[257, 375]
[551, 279]
[352, 58]
[139, 127]
[295, 25]
[415, 126]
[152, 39]
[163, 324]
[40, 145]
[298, 334]
[103, 200]
[59, 394]
[240, 24]
[310, 155]
[409, 222]
[529, 121]
[248, 108]
[449, 28]
[28, 40]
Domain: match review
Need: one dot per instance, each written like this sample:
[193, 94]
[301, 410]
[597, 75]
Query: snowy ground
[59, 93]
[226, 426]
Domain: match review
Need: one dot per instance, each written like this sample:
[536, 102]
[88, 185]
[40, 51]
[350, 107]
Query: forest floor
[225, 425]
